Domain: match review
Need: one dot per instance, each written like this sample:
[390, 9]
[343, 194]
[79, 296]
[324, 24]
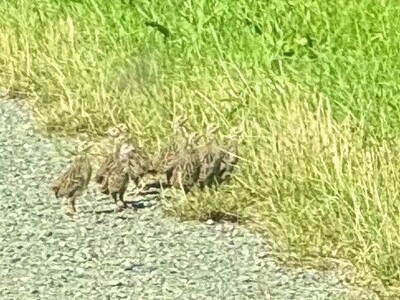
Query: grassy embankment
[314, 83]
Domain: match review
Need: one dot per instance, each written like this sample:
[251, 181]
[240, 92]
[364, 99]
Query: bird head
[127, 151]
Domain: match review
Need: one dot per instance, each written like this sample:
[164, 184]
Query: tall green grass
[315, 85]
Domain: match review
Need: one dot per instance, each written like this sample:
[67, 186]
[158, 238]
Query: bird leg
[180, 182]
[114, 196]
[140, 187]
[121, 203]
[71, 209]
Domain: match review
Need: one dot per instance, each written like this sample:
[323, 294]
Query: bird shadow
[131, 205]
[140, 204]
[150, 192]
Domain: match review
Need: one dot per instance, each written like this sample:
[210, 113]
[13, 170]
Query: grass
[314, 84]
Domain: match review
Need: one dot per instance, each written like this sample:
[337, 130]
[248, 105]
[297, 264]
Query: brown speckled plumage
[113, 175]
[72, 182]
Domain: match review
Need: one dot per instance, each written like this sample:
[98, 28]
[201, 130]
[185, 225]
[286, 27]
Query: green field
[314, 84]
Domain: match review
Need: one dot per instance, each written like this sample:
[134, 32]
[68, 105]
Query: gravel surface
[100, 254]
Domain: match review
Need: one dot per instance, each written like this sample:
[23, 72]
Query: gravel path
[128, 255]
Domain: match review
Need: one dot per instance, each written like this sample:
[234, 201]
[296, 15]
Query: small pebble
[209, 222]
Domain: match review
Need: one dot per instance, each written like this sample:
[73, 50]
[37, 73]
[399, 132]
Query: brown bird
[185, 174]
[116, 135]
[177, 145]
[103, 171]
[217, 162]
[72, 183]
[114, 179]
[210, 160]
[179, 164]
[229, 159]
[140, 165]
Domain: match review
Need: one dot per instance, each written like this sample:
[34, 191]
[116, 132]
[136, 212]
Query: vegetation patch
[313, 84]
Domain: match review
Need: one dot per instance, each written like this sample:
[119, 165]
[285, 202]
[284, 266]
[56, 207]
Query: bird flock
[188, 161]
